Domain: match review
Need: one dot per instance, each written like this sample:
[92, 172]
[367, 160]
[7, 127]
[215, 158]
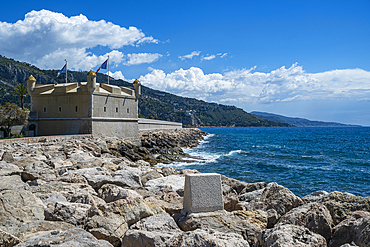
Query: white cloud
[246, 86]
[139, 58]
[117, 75]
[208, 57]
[46, 38]
[223, 55]
[190, 56]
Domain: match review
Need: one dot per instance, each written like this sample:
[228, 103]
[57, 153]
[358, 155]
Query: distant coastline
[299, 122]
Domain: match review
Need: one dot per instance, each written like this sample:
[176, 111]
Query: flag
[103, 66]
[63, 70]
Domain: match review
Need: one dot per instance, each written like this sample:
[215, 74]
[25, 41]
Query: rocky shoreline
[107, 192]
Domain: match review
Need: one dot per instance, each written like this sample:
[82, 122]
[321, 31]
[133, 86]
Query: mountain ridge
[299, 122]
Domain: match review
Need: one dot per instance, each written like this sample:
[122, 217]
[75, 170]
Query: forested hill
[299, 122]
[152, 103]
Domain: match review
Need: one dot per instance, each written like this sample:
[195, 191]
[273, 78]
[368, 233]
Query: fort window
[76, 109]
[44, 109]
[105, 109]
[128, 110]
[60, 109]
[116, 109]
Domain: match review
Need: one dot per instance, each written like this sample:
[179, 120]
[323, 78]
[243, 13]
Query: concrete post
[203, 193]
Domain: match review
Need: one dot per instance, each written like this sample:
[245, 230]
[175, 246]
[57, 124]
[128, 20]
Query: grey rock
[275, 197]
[206, 238]
[21, 163]
[21, 230]
[315, 196]
[289, 235]
[245, 223]
[249, 196]
[173, 182]
[150, 176]
[20, 205]
[38, 170]
[131, 210]
[73, 213]
[167, 171]
[68, 190]
[230, 202]
[236, 185]
[355, 229]
[71, 237]
[7, 169]
[342, 205]
[11, 182]
[314, 216]
[111, 193]
[151, 231]
[54, 198]
[110, 229]
[253, 187]
[8, 240]
[7, 157]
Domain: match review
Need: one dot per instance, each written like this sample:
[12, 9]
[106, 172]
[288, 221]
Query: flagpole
[108, 69]
[66, 69]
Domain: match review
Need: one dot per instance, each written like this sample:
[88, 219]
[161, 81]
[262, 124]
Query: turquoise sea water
[303, 159]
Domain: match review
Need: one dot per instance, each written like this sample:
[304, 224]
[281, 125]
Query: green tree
[150, 116]
[10, 115]
[141, 116]
[20, 90]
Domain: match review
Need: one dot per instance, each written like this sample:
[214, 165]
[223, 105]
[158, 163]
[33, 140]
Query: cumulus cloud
[210, 57]
[190, 56]
[247, 86]
[46, 38]
[117, 75]
[139, 58]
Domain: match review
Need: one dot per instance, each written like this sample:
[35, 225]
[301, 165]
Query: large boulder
[7, 169]
[355, 229]
[109, 229]
[38, 170]
[8, 240]
[276, 200]
[152, 231]
[71, 237]
[172, 182]
[73, 213]
[11, 182]
[289, 235]
[68, 190]
[314, 216]
[21, 230]
[314, 196]
[342, 205]
[245, 223]
[111, 193]
[20, 205]
[132, 210]
[206, 238]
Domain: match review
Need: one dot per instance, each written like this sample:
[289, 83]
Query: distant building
[84, 108]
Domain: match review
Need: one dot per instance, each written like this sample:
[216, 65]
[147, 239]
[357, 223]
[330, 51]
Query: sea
[303, 159]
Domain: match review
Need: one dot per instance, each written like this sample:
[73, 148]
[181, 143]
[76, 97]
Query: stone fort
[88, 108]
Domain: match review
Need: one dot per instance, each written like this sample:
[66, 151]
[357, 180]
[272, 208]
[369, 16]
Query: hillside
[299, 122]
[163, 106]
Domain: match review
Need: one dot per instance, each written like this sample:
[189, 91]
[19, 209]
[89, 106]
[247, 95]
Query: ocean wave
[234, 152]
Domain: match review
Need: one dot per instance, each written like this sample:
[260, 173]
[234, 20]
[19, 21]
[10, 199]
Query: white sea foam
[234, 152]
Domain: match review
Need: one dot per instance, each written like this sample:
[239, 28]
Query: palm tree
[20, 90]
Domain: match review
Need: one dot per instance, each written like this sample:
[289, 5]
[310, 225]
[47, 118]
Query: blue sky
[297, 58]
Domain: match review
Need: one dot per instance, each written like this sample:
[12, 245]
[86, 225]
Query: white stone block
[203, 193]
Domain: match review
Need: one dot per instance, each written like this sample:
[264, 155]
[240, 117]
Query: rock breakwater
[106, 192]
